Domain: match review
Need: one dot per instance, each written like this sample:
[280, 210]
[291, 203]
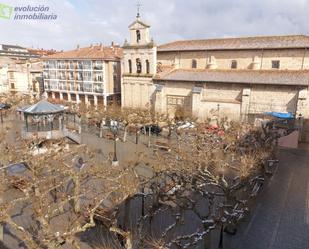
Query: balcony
[97, 67]
[98, 80]
[62, 88]
[98, 90]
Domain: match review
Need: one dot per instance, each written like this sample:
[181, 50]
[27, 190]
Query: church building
[238, 78]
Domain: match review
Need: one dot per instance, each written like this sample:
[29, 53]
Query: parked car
[5, 106]
[154, 129]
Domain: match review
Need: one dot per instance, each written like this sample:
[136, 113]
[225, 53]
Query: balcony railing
[62, 88]
[97, 67]
[98, 90]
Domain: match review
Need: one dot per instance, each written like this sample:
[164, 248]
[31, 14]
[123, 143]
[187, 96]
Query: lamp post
[114, 130]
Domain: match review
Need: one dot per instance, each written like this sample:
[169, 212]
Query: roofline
[139, 21]
[231, 82]
[227, 49]
[74, 58]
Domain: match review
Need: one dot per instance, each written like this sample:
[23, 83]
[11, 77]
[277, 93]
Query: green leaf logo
[5, 11]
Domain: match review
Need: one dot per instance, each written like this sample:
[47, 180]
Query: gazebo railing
[44, 127]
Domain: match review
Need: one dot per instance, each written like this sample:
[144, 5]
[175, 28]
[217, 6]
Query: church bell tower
[139, 66]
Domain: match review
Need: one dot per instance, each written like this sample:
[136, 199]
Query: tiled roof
[275, 77]
[258, 42]
[92, 52]
[42, 52]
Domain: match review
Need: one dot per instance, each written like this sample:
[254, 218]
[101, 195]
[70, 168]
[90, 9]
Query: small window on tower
[138, 66]
[275, 64]
[147, 67]
[234, 64]
[130, 66]
[194, 63]
[138, 36]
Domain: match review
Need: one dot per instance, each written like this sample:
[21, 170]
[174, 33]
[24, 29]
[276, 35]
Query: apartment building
[90, 75]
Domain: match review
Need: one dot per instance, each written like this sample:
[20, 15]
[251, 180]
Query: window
[138, 66]
[87, 76]
[234, 64]
[147, 67]
[275, 64]
[194, 63]
[115, 67]
[138, 36]
[130, 66]
[79, 76]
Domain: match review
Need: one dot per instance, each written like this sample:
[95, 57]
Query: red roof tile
[92, 52]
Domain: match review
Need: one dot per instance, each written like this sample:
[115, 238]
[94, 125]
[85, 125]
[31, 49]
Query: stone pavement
[280, 219]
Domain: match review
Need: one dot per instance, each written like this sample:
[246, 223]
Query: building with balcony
[90, 75]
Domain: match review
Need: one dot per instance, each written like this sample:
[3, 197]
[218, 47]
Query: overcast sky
[92, 21]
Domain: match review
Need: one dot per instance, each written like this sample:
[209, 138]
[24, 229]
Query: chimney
[112, 44]
[91, 46]
[77, 48]
[101, 47]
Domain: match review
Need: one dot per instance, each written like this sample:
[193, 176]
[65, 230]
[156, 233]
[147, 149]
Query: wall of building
[293, 59]
[4, 87]
[265, 98]
[231, 100]
[18, 81]
[137, 92]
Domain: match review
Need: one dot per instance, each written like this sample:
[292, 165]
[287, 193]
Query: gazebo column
[95, 100]
[26, 119]
[60, 122]
[51, 123]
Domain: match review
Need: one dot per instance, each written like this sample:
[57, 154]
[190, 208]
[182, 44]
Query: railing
[97, 67]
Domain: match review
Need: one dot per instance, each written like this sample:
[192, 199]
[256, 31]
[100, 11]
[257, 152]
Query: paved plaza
[280, 219]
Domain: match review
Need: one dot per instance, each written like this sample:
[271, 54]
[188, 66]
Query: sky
[86, 22]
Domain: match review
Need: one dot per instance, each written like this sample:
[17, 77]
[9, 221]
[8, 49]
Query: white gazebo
[43, 119]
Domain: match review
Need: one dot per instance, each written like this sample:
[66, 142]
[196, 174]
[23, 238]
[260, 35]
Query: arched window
[130, 66]
[234, 64]
[138, 36]
[147, 67]
[138, 66]
[194, 63]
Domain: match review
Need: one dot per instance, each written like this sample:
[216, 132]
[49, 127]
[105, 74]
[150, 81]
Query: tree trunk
[137, 136]
[125, 133]
[76, 194]
[126, 235]
[101, 129]
[169, 131]
[149, 137]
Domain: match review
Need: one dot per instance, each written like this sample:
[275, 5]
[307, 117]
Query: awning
[282, 115]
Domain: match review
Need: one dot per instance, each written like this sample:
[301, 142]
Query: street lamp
[114, 130]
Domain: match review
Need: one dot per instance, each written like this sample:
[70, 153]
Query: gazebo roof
[42, 107]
